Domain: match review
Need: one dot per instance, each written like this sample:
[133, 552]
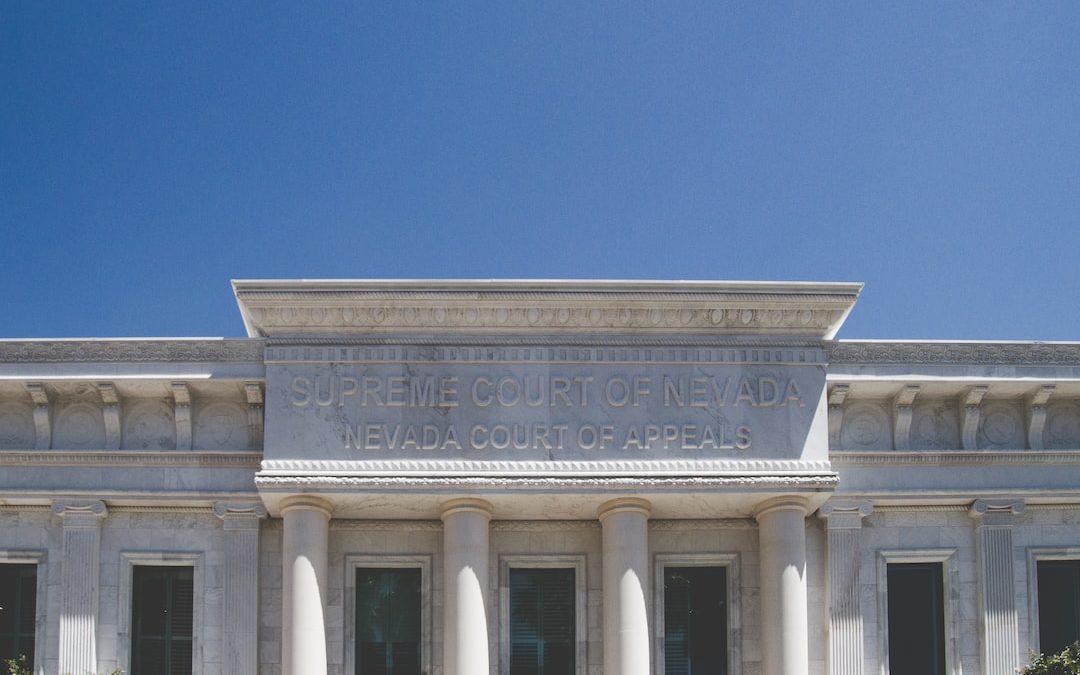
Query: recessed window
[1059, 604]
[916, 619]
[161, 620]
[18, 611]
[695, 621]
[542, 621]
[388, 621]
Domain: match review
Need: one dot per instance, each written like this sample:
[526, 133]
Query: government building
[538, 478]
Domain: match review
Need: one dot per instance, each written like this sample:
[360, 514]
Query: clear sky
[151, 151]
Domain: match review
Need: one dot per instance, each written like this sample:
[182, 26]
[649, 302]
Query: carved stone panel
[220, 426]
[148, 425]
[1001, 426]
[79, 426]
[1062, 426]
[935, 425]
[867, 427]
[16, 426]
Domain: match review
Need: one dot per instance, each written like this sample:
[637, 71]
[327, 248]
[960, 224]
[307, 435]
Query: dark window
[695, 621]
[18, 612]
[1059, 604]
[161, 620]
[916, 619]
[542, 631]
[388, 621]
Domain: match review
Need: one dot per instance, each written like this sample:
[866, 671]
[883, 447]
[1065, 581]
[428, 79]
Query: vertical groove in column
[79, 586]
[845, 611]
[240, 587]
[1000, 638]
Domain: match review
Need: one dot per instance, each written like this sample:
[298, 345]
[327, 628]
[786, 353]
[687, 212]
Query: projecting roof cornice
[334, 308]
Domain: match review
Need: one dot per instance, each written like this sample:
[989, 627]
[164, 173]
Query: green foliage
[18, 666]
[1067, 662]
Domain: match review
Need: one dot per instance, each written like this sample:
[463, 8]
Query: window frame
[1035, 555]
[354, 562]
[729, 561]
[581, 595]
[950, 583]
[33, 557]
[131, 559]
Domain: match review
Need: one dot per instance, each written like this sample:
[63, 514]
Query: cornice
[534, 468]
[953, 353]
[113, 351]
[319, 308]
[637, 483]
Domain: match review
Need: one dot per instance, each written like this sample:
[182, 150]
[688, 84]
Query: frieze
[657, 353]
[949, 353]
[112, 351]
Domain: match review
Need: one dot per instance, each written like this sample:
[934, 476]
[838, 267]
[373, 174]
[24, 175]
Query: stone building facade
[628, 448]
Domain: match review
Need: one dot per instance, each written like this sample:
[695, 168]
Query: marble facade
[465, 428]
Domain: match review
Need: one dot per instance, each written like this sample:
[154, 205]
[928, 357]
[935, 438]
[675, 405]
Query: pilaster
[182, 415]
[111, 413]
[902, 412]
[997, 598]
[837, 394]
[42, 422]
[970, 416]
[843, 523]
[1037, 415]
[80, 570]
[240, 619]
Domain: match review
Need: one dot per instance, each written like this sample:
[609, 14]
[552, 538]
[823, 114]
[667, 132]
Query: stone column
[303, 626]
[79, 583]
[784, 632]
[625, 524]
[465, 568]
[240, 619]
[843, 522]
[997, 600]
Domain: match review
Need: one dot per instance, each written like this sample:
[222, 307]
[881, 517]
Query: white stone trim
[843, 458]
[950, 574]
[1035, 554]
[581, 610]
[355, 561]
[33, 557]
[729, 561]
[616, 483]
[435, 467]
[128, 561]
[237, 459]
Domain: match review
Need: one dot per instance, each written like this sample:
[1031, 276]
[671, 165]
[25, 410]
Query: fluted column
[843, 523]
[997, 598]
[465, 565]
[240, 620]
[625, 534]
[306, 535]
[80, 571]
[782, 536]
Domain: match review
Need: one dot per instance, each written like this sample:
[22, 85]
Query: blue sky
[150, 152]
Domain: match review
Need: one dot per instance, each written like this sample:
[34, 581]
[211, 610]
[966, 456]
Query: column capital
[623, 504]
[306, 503]
[995, 511]
[467, 505]
[80, 512]
[845, 514]
[240, 515]
[782, 503]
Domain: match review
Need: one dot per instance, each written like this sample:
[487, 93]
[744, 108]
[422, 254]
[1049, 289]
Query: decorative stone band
[947, 353]
[392, 467]
[810, 482]
[110, 351]
[239, 460]
[846, 459]
[317, 308]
